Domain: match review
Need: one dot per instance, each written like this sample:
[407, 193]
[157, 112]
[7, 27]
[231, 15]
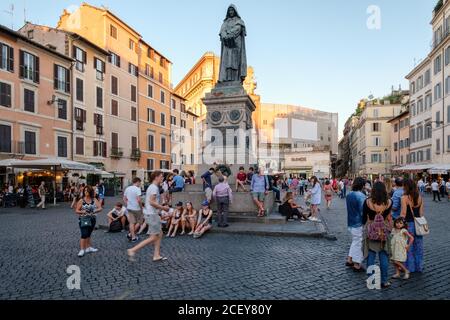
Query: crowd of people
[385, 217]
[386, 220]
[33, 196]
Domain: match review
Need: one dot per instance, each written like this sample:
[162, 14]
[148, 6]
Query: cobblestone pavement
[38, 246]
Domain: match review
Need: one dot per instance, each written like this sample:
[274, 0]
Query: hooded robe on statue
[233, 64]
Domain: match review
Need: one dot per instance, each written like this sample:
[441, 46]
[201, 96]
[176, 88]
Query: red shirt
[242, 176]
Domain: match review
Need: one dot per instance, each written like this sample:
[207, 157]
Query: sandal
[350, 265]
[160, 259]
[386, 285]
[407, 276]
[396, 276]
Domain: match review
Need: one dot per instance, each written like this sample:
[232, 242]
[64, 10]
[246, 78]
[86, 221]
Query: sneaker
[135, 240]
[129, 236]
[81, 253]
[91, 250]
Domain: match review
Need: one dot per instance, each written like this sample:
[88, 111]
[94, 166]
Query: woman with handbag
[86, 208]
[377, 220]
[413, 212]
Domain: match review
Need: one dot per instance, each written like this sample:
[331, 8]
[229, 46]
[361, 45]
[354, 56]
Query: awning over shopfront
[414, 168]
[8, 162]
[51, 164]
[440, 169]
[430, 168]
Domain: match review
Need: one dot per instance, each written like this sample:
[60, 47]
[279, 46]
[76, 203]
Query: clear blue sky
[319, 54]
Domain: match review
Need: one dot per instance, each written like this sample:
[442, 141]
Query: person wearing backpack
[377, 219]
[117, 218]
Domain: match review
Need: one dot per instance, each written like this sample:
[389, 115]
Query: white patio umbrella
[53, 164]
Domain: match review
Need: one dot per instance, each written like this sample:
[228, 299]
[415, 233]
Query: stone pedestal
[229, 122]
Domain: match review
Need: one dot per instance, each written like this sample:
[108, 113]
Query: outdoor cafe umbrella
[53, 164]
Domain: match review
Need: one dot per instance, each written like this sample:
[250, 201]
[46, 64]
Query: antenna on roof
[24, 12]
[11, 13]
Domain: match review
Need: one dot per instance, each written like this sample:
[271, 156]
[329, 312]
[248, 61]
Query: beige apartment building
[421, 97]
[154, 110]
[35, 100]
[183, 126]
[440, 79]
[101, 27]
[88, 84]
[400, 139]
[374, 134]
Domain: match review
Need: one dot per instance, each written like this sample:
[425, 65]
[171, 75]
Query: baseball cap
[205, 203]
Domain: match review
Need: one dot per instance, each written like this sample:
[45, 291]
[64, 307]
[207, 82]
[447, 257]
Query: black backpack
[116, 226]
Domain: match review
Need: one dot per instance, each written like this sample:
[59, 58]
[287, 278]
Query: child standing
[400, 247]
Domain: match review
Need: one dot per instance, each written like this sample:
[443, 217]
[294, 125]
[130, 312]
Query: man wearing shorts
[259, 188]
[132, 199]
[152, 217]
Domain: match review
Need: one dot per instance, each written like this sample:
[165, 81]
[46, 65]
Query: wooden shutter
[96, 149]
[67, 80]
[104, 149]
[5, 138]
[110, 58]
[36, 71]
[114, 87]
[11, 59]
[118, 61]
[21, 64]
[79, 94]
[1, 55]
[5, 95]
[133, 143]
[84, 57]
[133, 93]
[74, 52]
[84, 116]
[114, 140]
[133, 113]
[114, 108]
[55, 76]
[99, 97]
[103, 67]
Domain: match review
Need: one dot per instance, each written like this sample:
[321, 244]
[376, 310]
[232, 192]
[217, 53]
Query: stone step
[271, 219]
[242, 201]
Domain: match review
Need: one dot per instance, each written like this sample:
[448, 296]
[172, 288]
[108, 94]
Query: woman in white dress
[316, 198]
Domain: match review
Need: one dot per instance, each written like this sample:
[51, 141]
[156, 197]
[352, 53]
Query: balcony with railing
[116, 153]
[135, 154]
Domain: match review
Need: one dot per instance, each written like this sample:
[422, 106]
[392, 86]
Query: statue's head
[232, 12]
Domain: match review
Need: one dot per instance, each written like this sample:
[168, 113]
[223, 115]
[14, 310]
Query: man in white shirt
[435, 189]
[133, 202]
[421, 186]
[152, 209]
